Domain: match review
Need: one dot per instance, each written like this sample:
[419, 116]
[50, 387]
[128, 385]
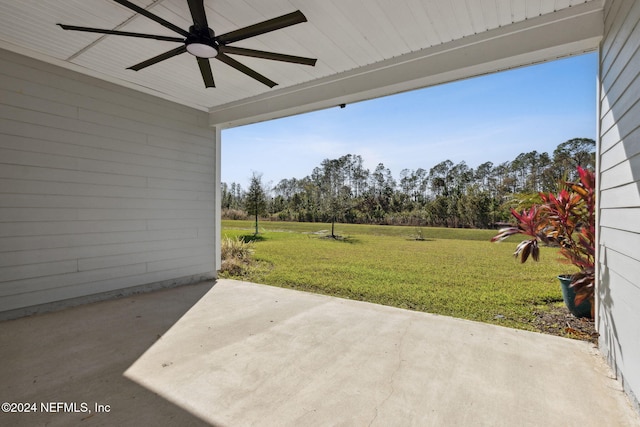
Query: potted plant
[567, 220]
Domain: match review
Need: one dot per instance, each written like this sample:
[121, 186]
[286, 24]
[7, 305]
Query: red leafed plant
[568, 220]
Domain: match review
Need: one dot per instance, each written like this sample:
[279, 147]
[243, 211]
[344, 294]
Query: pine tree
[256, 200]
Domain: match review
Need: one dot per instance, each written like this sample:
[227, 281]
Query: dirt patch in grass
[558, 321]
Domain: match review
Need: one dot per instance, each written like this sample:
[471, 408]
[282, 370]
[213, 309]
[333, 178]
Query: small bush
[419, 234]
[237, 248]
[233, 268]
[236, 256]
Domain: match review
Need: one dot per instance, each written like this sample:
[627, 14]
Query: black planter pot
[569, 296]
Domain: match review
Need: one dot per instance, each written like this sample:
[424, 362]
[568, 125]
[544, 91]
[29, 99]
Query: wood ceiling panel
[518, 10]
[476, 13]
[451, 20]
[380, 18]
[441, 22]
[505, 15]
[463, 17]
[338, 30]
[423, 21]
[374, 38]
[490, 13]
[176, 12]
[561, 4]
[532, 8]
[238, 14]
[547, 6]
[17, 20]
[348, 23]
[412, 35]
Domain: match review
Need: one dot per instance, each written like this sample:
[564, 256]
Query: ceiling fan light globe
[202, 50]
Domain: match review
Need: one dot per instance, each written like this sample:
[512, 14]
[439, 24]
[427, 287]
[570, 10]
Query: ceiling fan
[201, 41]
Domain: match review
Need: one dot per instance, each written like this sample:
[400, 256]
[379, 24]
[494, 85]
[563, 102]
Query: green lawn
[455, 272]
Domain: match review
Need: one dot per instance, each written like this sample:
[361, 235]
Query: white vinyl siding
[101, 188]
[619, 180]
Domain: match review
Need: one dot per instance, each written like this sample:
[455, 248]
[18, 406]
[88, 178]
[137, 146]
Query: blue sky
[488, 118]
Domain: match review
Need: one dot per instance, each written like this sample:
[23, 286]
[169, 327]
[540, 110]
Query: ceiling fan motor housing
[201, 42]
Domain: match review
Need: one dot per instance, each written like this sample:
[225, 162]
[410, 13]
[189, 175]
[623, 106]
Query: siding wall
[101, 187]
[619, 180]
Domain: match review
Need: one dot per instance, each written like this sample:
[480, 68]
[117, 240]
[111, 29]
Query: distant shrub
[419, 234]
[234, 214]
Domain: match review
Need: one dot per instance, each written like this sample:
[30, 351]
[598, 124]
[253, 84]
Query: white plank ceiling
[343, 34]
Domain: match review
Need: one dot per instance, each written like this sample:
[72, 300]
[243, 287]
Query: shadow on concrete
[78, 356]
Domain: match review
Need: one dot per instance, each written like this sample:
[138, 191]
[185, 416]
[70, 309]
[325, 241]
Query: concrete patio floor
[241, 354]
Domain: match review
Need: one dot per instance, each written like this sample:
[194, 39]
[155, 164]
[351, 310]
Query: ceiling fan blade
[120, 33]
[267, 55]
[205, 70]
[244, 69]
[196, 7]
[262, 27]
[153, 17]
[156, 59]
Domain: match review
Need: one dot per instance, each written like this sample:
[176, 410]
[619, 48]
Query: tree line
[446, 195]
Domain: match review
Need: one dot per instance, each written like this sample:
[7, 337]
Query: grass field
[454, 272]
